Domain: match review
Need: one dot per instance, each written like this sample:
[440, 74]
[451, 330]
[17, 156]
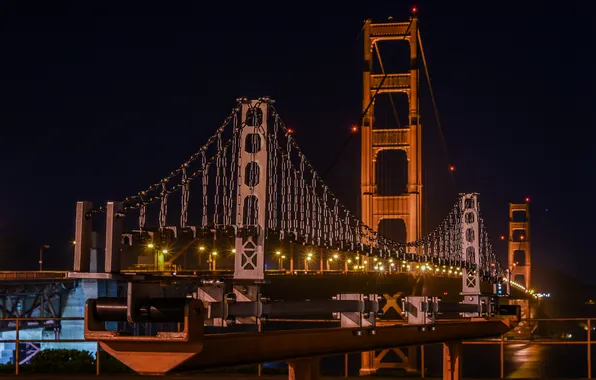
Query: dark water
[483, 361]
[522, 360]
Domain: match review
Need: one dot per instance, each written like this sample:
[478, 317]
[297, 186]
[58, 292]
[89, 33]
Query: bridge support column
[452, 364]
[304, 369]
[251, 213]
[372, 362]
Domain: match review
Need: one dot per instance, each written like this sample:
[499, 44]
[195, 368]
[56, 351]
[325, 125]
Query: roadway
[281, 285]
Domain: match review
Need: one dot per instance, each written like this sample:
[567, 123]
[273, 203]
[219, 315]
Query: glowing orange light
[414, 9]
[522, 237]
[451, 168]
[502, 237]
[528, 199]
[290, 131]
[354, 128]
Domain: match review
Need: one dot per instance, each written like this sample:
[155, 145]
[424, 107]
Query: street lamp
[41, 255]
[279, 262]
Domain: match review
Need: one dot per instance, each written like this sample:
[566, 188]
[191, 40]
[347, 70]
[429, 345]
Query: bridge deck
[224, 350]
[280, 283]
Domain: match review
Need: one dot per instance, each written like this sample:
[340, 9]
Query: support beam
[223, 350]
[114, 229]
[82, 243]
[304, 369]
[452, 360]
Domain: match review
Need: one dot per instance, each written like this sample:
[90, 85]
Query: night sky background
[98, 100]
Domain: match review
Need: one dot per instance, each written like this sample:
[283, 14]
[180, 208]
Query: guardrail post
[346, 365]
[422, 370]
[589, 348]
[502, 351]
[97, 364]
[16, 350]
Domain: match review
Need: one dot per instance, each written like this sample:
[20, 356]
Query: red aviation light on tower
[354, 128]
[527, 199]
[290, 131]
[414, 10]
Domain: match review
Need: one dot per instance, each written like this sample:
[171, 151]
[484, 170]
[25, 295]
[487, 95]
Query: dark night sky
[99, 101]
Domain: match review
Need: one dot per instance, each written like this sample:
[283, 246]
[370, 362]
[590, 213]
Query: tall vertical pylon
[408, 206]
[519, 259]
[519, 256]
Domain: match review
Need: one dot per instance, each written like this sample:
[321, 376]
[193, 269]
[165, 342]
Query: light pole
[41, 255]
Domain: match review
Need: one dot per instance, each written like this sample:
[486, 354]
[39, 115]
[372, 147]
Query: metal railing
[17, 341]
[502, 341]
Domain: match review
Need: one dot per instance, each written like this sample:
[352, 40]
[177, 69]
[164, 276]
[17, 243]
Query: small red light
[290, 131]
[527, 199]
[354, 128]
[414, 9]
[451, 168]
[502, 237]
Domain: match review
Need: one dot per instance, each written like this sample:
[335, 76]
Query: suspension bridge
[256, 189]
[255, 223]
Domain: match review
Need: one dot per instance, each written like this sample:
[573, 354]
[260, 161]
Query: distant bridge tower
[519, 256]
[520, 263]
[408, 206]
[375, 206]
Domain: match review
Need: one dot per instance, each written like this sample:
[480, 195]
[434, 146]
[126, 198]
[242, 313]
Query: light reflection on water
[521, 361]
[526, 361]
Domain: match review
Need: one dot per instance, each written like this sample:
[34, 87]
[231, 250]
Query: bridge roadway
[283, 284]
